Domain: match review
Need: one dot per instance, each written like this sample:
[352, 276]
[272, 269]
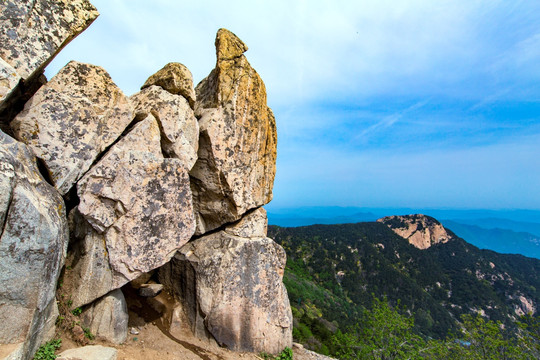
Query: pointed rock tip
[228, 45]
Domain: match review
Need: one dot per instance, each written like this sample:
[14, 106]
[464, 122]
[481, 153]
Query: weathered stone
[141, 280]
[9, 78]
[237, 147]
[33, 32]
[107, 318]
[12, 351]
[139, 208]
[420, 230]
[253, 224]
[71, 120]
[33, 245]
[88, 274]
[231, 287]
[49, 328]
[178, 125]
[176, 79]
[150, 290]
[90, 352]
[228, 45]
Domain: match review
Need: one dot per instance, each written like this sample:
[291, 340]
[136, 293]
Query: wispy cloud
[390, 120]
[490, 99]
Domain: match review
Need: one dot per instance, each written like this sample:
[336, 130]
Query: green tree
[487, 340]
[529, 340]
[480, 339]
[384, 334]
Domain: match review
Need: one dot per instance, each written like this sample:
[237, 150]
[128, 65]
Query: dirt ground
[151, 343]
[149, 337]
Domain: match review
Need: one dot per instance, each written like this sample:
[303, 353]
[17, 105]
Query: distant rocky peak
[420, 230]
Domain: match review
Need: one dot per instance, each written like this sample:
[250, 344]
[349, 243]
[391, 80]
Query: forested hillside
[335, 272]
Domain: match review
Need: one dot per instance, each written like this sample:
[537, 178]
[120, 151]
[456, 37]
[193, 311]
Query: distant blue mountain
[504, 219]
[499, 240]
[498, 223]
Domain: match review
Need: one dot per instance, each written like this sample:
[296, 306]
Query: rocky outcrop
[107, 318]
[177, 122]
[231, 288]
[420, 230]
[176, 79]
[237, 149]
[91, 352]
[71, 120]
[138, 210]
[33, 245]
[140, 177]
[33, 32]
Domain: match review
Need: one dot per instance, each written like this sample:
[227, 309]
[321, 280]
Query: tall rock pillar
[237, 150]
[228, 281]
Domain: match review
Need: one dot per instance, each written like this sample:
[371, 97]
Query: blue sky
[378, 103]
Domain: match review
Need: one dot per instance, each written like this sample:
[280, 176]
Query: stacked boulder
[237, 156]
[170, 179]
[229, 280]
[31, 34]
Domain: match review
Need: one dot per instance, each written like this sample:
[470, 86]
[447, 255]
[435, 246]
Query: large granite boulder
[176, 79]
[237, 148]
[33, 32]
[71, 120]
[231, 289]
[33, 245]
[178, 125]
[107, 318]
[136, 211]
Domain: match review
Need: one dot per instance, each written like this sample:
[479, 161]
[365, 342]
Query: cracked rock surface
[33, 245]
[33, 32]
[236, 163]
[71, 120]
[138, 209]
[231, 287]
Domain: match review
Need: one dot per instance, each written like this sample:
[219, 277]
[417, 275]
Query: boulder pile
[168, 183]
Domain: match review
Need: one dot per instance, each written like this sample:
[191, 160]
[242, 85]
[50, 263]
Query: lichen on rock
[138, 208]
[237, 151]
[72, 119]
[33, 32]
[177, 123]
[33, 245]
[230, 285]
[176, 79]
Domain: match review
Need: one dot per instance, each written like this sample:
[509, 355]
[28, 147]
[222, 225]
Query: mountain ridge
[511, 228]
[356, 263]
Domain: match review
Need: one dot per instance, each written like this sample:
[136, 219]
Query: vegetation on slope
[337, 274]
